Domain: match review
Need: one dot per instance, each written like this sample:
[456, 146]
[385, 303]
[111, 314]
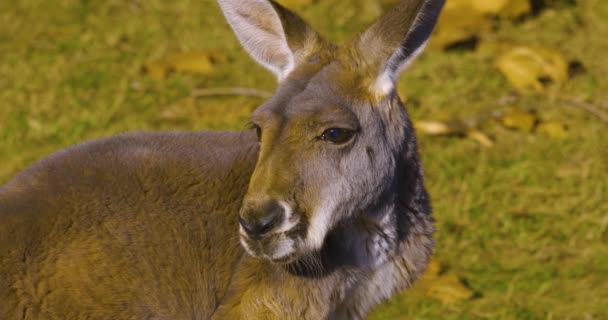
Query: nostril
[257, 225]
[269, 222]
[248, 226]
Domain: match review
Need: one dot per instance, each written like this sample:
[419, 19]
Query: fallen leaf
[433, 269]
[516, 8]
[197, 62]
[553, 129]
[439, 128]
[505, 8]
[157, 70]
[459, 23]
[519, 120]
[480, 137]
[463, 21]
[489, 6]
[533, 68]
[432, 127]
[449, 289]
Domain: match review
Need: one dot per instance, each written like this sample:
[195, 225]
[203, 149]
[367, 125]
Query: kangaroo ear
[275, 37]
[396, 39]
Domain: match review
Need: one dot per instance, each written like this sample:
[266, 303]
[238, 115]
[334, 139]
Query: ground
[522, 224]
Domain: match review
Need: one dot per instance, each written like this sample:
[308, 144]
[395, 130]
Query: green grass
[70, 71]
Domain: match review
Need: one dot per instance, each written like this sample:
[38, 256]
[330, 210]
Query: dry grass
[525, 223]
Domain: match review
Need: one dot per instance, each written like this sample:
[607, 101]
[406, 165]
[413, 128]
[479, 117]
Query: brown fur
[146, 225]
[125, 228]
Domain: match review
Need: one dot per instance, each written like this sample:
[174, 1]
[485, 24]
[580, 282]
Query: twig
[572, 103]
[585, 106]
[248, 92]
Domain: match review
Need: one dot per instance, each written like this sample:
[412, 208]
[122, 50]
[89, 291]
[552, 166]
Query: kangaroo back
[134, 226]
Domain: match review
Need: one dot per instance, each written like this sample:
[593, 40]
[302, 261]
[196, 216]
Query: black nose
[258, 220]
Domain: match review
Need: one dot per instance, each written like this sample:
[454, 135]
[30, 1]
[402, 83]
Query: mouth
[277, 248]
[285, 260]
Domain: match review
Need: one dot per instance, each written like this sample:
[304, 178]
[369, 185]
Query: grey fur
[144, 225]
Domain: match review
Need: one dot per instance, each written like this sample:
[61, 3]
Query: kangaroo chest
[275, 294]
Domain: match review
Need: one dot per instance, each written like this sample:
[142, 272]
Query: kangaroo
[317, 212]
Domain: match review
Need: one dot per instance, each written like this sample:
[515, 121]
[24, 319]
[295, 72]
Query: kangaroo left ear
[396, 39]
[274, 36]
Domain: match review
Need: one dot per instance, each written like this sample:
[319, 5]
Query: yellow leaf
[432, 127]
[455, 4]
[198, 62]
[195, 62]
[438, 128]
[553, 129]
[480, 137]
[532, 68]
[157, 70]
[516, 8]
[489, 6]
[433, 269]
[449, 289]
[506, 8]
[465, 20]
[519, 120]
[458, 23]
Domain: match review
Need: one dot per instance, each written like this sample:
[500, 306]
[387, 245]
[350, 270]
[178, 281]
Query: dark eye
[337, 135]
[258, 131]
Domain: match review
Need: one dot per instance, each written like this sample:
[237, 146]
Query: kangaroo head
[332, 135]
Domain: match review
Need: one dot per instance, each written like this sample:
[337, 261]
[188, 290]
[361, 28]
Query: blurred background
[510, 103]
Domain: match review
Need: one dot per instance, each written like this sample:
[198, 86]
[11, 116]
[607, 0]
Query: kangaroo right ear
[396, 39]
[275, 37]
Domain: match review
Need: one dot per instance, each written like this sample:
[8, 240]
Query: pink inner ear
[260, 31]
[275, 37]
